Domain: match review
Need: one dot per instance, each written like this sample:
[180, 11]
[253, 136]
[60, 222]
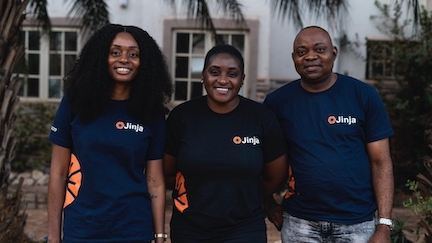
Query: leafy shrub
[33, 150]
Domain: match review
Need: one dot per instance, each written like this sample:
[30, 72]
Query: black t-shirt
[220, 158]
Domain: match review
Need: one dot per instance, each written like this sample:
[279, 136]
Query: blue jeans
[295, 230]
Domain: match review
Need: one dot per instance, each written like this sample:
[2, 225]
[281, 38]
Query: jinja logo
[341, 120]
[129, 126]
[246, 140]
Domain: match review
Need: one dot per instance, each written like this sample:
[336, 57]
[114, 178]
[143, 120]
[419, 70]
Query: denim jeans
[295, 230]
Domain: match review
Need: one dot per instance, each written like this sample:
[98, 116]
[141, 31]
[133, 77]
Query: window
[384, 58]
[46, 61]
[190, 48]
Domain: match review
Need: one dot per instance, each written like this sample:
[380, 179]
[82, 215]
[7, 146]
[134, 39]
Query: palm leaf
[94, 13]
[329, 10]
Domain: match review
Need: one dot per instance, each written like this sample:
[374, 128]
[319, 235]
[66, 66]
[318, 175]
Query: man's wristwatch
[161, 235]
[387, 222]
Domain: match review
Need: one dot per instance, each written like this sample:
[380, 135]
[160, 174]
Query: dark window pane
[55, 41]
[55, 64]
[388, 70]
[33, 63]
[21, 90]
[180, 90]
[223, 38]
[181, 67]
[197, 89]
[69, 62]
[377, 69]
[198, 43]
[54, 89]
[238, 42]
[20, 67]
[33, 87]
[34, 38]
[71, 41]
[182, 43]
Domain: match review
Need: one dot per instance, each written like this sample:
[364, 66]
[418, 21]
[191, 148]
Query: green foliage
[33, 149]
[397, 235]
[410, 105]
[420, 205]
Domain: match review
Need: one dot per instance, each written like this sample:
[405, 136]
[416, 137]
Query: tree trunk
[12, 213]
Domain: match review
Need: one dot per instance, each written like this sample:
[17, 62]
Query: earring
[202, 81]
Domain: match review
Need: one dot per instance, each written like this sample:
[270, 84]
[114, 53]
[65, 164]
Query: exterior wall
[275, 36]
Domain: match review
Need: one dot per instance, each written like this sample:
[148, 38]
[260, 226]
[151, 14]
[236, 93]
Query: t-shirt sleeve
[157, 142]
[274, 144]
[61, 128]
[377, 124]
[172, 142]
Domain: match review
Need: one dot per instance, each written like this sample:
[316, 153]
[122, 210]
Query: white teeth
[123, 69]
[222, 89]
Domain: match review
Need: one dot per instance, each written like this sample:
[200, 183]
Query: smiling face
[223, 79]
[314, 56]
[123, 58]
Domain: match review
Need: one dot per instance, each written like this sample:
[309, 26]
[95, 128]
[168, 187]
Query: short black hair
[224, 49]
[88, 85]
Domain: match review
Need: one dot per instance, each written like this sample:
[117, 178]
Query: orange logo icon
[120, 125]
[74, 181]
[180, 194]
[291, 184]
[331, 119]
[237, 140]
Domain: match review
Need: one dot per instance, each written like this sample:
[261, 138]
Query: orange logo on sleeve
[180, 195]
[291, 184]
[74, 181]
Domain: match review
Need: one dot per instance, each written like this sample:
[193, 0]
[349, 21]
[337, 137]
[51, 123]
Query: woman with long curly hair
[106, 180]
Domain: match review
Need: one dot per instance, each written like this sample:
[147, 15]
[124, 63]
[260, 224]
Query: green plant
[397, 235]
[409, 105]
[421, 205]
[33, 149]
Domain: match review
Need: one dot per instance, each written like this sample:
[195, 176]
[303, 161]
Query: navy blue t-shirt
[107, 198]
[220, 158]
[327, 133]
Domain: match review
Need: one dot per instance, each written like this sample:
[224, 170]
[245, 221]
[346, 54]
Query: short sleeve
[274, 143]
[377, 124]
[173, 133]
[61, 128]
[157, 142]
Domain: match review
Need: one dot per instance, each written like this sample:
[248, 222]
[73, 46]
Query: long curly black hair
[88, 85]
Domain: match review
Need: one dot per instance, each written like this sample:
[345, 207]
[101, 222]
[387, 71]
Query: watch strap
[161, 235]
[386, 221]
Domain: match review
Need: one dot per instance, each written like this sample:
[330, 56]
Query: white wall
[360, 24]
[275, 35]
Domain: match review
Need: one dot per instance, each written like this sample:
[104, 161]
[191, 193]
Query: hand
[159, 240]
[381, 235]
[274, 214]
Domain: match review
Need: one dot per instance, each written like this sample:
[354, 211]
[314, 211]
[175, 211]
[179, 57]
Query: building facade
[265, 41]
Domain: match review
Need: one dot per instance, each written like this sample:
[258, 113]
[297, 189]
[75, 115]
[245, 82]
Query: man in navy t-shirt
[341, 176]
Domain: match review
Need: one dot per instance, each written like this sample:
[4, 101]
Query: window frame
[222, 26]
[61, 25]
[208, 43]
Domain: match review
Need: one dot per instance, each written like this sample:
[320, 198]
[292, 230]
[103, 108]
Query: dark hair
[316, 27]
[224, 49]
[88, 85]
